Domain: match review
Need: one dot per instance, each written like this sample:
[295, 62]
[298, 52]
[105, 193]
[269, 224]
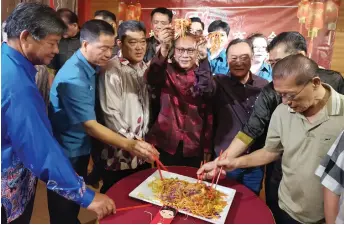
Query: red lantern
[315, 19]
[302, 11]
[122, 8]
[130, 12]
[331, 14]
[138, 11]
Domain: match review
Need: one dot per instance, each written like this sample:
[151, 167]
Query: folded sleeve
[30, 132]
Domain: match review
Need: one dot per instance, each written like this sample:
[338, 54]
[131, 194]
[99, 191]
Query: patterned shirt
[331, 173]
[265, 72]
[219, 64]
[184, 113]
[28, 148]
[124, 102]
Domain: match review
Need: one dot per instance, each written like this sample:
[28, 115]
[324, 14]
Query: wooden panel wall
[338, 48]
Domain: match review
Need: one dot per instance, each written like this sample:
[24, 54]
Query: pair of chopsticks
[160, 166]
[133, 207]
[218, 176]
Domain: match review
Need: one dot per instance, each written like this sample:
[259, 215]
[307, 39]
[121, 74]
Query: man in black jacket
[70, 42]
[255, 130]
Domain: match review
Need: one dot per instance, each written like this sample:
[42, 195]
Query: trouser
[178, 159]
[272, 181]
[281, 217]
[250, 177]
[24, 218]
[111, 177]
[62, 210]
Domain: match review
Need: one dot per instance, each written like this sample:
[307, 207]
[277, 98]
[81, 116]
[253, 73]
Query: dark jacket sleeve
[205, 85]
[155, 75]
[258, 123]
[333, 78]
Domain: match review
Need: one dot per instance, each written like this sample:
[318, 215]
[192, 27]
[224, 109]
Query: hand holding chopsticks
[143, 150]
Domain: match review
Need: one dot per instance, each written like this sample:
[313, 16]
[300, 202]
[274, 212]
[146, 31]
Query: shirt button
[247, 99]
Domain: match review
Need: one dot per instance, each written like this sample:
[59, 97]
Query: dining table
[246, 207]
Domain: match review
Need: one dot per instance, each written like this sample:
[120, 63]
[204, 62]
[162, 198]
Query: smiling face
[239, 59]
[167, 214]
[185, 53]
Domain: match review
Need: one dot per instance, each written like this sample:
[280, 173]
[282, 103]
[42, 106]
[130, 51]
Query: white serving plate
[144, 193]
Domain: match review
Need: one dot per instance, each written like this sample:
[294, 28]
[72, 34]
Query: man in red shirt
[182, 130]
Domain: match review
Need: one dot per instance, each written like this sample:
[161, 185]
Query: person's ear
[316, 82]
[84, 45]
[25, 37]
[119, 43]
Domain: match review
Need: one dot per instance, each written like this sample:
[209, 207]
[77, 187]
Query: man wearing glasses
[182, 131]
[197, 26]
[303, 128]
[255, 130]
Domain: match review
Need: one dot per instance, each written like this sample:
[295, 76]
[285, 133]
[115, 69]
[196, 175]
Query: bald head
[298, 66]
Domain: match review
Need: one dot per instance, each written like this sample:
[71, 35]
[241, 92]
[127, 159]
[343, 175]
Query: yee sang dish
[195, 198]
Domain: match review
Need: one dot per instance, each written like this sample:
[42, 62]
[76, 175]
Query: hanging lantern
[122, 8]
[314, 22]
[138, 11]
[302, 11]
[130, 12]
[331, 14]
[315, 19]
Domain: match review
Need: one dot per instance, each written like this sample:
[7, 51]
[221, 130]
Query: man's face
[196, 28]
[40, 52]
[159, 21]
[72, 28]
[99, 51]
[297, 97]
[259, 49]
[239, 59]
[277, 53]
[134, 46]
[185, 52]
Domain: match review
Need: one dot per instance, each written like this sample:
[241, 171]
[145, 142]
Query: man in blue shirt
[28, 148]
[72, 112]
[218, 59]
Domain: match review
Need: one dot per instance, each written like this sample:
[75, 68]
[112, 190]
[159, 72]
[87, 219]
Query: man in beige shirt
[124, 103]
[303, 128]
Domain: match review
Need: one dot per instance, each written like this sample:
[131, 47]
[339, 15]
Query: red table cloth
[246, 207]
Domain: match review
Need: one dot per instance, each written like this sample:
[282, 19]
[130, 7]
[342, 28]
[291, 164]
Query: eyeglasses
[291, 97]
[197, 32]
[241, 58]
[189, 51]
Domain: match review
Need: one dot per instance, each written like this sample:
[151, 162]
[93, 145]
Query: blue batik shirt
[28, 148]
[219, 64]
[265, 71]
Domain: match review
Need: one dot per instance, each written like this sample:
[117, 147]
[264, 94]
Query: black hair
[92, 29]
[38, 19]
[105, 14]
[130, 25]
[237, 41]
[69, 14]
[197, 20]
[294, 42]
[164, 11]
[300, 66]
[219, 25]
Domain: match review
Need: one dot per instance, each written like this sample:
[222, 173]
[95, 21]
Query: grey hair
[38, 19]
[299, 66]
[130, 25]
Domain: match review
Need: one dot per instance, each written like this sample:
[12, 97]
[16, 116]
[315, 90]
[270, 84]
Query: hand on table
[102, 205]
[143, 150]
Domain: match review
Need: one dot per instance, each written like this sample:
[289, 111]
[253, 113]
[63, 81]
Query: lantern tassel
[300, 28]
[329, 38]
[310, 48]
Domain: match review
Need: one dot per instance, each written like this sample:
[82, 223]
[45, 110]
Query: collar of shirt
[265, 67]
[20, 59]
[90, 70]
[236, 81]
[126, 62]
[334, 104]
[222, 56]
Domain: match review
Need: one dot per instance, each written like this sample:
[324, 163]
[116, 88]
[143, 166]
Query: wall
[111, 5]
[338, 48]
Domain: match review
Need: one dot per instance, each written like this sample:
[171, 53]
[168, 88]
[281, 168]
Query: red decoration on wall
[130, 12]
[138, 11]
[122, 10]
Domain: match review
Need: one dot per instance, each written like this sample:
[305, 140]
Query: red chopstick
[199, 176]
[158, 163]
[218, 177]
[133, 207]
[212, 181]
[159, 171]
